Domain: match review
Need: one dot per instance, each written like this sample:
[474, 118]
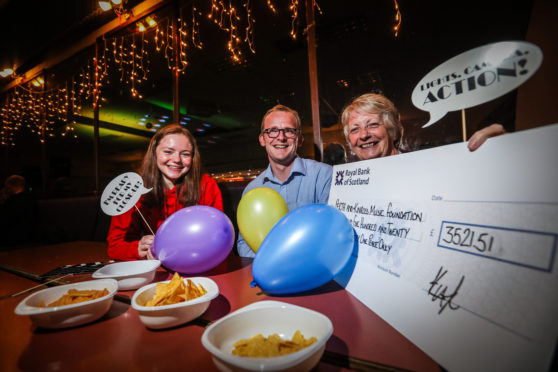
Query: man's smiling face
[280, 150]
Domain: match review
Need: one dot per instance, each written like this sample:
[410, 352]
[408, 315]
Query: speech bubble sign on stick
[475, 77]
[122, 193]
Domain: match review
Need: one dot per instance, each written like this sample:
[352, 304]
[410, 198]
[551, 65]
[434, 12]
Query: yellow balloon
[258, 211]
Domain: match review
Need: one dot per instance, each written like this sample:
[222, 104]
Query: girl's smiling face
[174, 157]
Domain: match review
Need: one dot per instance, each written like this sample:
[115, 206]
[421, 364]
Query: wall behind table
[232, 193]
[81, 218]
[71, 219]
[536, 99]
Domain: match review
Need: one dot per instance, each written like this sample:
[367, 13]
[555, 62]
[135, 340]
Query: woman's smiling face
[368, 136]
[174, 157]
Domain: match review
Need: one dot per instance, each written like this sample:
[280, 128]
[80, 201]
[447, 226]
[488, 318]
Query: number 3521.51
[463, 236]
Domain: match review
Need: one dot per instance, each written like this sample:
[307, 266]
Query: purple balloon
[194, 239]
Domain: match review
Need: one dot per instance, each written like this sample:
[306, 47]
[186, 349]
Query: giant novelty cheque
[457, 250]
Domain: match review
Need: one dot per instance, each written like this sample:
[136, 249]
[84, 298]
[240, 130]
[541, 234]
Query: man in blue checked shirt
[299, 181]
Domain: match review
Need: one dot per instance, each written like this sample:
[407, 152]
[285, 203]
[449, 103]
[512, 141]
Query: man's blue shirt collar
[298, 168]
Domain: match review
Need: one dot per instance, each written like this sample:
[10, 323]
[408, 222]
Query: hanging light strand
[196, 28]
[249, 27]
[182, 43]
[271, 7]
[397, 18]
[293, 9]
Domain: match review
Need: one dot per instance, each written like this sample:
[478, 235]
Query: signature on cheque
[440, 292]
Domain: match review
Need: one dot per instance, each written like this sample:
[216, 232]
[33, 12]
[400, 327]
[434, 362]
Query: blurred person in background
[18, 217]
[334, 153]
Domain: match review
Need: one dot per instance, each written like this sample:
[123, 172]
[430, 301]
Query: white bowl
[267, 318]
[129, 274]
[167, 316]
[67, 315]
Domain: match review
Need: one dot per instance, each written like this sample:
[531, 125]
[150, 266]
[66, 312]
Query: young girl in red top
[172, 167]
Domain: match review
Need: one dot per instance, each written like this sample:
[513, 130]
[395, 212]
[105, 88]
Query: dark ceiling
[30, 29]
[357, 52]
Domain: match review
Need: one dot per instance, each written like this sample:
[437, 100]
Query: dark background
[221, 101]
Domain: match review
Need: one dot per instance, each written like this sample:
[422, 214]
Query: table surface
[360, 340]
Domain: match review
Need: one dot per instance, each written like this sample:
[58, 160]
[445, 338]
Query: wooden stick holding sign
[122, 193]
[143, 218]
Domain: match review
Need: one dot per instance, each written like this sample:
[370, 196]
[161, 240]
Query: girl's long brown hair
[188, 188]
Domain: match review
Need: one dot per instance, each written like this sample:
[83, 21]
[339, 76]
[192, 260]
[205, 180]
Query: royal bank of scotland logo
[339, 178]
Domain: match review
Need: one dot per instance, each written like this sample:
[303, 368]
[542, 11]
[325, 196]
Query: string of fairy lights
[126, 59]
[40, 111]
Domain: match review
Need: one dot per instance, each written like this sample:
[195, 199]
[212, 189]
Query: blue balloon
[304, 250]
